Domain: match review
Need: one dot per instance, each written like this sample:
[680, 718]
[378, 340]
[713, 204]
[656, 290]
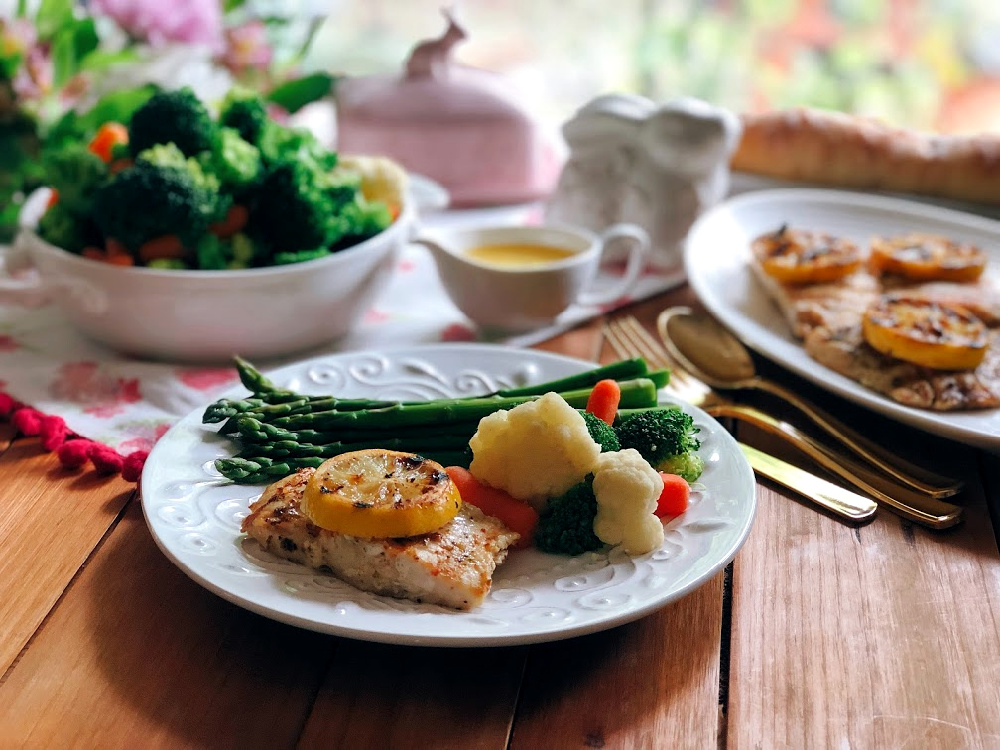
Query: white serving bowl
[204, 316]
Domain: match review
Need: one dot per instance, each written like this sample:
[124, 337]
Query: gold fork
[628, 337]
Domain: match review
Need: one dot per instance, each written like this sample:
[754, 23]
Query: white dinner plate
[717, 257]
[194, 516]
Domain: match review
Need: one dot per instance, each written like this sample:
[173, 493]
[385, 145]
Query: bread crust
[842, 150]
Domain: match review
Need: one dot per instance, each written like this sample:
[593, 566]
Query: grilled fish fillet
[452, 567]
[826, 317]
[844, 350]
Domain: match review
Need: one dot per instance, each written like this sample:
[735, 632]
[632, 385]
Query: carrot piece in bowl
[164, 246]
[109, 135]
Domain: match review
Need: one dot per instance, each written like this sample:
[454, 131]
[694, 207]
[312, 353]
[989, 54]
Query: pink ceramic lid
[461, 126]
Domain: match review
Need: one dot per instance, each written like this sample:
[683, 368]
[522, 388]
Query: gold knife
[927, 511]
[833, 497]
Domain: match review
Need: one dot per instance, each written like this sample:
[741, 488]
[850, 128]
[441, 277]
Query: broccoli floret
[148, 200]
[566, 526]
[168, 155]
[687, 465]
[279, 144]
[283, 259]
[342, 186]
[177, 117]
[241, 249]
[210, 253]
[363, 219]
[292, 212]
[659, 434]
[75, 172]
[603, 433]
[61, 228]
[234, 161]
[245, 111]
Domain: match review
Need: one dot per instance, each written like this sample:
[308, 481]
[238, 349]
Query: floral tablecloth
[90, 403]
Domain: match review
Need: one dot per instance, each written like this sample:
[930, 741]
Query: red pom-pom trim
[74, 453]
[8, 404]
[71, 450]
[132, 465]
[28, 421]
[53, 432]
[106, 460]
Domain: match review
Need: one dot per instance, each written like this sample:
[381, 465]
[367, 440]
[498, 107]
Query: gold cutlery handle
[904, 471]
[914, 506]
[833, 497]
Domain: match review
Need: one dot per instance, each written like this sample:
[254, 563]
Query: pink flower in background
[100, 394]
[127, 393]
[247, 46]
[33, 78]
[164, 21]
[8, 344]
[206, 379]
[144, 438]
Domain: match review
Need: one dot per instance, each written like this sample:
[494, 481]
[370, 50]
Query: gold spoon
[710, 352]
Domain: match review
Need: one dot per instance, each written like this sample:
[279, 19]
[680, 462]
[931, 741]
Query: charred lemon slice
[796, 256]
[931, 334]
[380, 493]
[926, 257]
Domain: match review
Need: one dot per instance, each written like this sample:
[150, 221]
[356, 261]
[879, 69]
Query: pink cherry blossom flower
[160, 22]
[247, 46]
[206, 379]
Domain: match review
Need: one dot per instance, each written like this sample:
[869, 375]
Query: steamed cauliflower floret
[382, 179]
[627, 488]
[534, 451]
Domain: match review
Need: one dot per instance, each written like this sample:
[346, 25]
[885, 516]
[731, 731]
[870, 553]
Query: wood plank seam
[69, 584]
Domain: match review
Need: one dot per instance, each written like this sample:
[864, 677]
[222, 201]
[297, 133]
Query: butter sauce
[518, 255]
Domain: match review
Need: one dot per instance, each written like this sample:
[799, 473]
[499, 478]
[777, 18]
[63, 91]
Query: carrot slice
[109, 135]
[119, 164]
[603, 400]
[53, 199]
[236, 219]
[675, 496]
[120, 260]
[516, 515]
[164, 246]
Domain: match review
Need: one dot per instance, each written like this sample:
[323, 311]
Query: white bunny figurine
[657, 166]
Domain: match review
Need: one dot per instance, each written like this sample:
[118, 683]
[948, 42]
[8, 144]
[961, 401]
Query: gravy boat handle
[638, 255]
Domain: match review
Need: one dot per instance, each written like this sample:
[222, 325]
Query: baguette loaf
[841, 150]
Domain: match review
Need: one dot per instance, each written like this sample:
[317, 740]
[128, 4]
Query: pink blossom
[33, 78]
[206, 379]
[247, 47]
[8, 344]
[160, 22]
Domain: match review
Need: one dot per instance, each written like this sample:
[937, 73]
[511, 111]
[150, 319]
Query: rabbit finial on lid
[431, 57]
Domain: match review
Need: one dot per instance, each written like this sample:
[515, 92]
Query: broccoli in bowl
[179, 188]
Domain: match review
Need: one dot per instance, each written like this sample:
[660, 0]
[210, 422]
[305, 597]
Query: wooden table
[819, 635]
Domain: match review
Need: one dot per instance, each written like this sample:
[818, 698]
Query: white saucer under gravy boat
[529, 296]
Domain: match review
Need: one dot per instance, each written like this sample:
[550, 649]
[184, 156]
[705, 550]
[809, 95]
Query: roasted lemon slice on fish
[797, 256]
[380, 493]
[926, 257]
[927, 333]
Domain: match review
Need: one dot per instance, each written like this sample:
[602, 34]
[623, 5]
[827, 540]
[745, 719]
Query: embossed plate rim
[198, 536]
